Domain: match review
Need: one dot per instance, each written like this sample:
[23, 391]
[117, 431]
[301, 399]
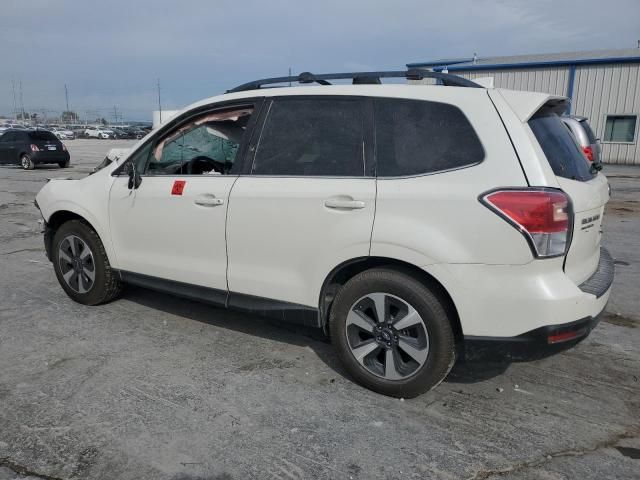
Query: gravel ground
[152, 386]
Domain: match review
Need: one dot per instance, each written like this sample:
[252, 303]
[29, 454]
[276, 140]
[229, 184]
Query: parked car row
[104, 133]
[71, 132]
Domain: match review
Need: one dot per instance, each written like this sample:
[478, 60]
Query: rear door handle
[208, 200]
[338, 204]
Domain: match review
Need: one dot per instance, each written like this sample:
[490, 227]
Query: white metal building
[603, 85]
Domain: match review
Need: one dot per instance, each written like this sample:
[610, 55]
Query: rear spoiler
[526, 104]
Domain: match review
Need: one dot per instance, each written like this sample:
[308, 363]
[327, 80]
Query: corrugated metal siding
[609, 89]
[552, 80]
[598, 90]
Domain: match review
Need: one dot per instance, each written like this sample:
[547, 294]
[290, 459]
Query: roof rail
[360, 78]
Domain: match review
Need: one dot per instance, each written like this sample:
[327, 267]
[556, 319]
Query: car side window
[312, 137]
[207, 144]
[140, 157]
[416, 137]
[8, 137]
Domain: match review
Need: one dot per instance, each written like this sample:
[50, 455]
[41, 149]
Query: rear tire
[64, 164]
[400, 362]
[26, 162]
[81, 264]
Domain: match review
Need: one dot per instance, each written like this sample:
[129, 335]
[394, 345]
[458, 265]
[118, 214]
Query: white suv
[405, 220]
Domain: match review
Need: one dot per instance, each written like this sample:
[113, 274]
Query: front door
[173, 226]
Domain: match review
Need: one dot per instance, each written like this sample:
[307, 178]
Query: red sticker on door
[178, 187]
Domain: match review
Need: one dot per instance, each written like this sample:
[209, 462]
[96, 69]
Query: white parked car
[97, 132]
[404, 220]
[63, 134]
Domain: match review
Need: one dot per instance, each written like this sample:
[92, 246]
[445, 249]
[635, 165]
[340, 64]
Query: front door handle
[340, 204]
[208, 200]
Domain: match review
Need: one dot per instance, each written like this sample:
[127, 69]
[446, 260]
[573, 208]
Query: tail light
[34, 148]
[588, 152]
[543, 216]
[64, 147]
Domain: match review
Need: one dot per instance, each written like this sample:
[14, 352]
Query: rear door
[587, 189]
[307, 202]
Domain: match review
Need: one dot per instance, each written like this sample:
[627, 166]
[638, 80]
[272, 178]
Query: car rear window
[562, 153]
[416, 137]
[43, 135]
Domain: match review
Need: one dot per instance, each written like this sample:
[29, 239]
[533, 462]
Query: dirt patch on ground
[623, 208]
[620, 320]
[266, 364]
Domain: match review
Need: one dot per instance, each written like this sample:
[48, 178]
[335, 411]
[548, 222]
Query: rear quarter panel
[437, 218]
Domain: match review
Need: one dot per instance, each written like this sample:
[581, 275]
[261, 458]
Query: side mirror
[134, 177]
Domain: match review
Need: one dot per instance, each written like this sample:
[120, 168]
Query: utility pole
[115, 114]
[15, 106]
[159, 102]
[289, 76]
[21, 101]
[66, 95]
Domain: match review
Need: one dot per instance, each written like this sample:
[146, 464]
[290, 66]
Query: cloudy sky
[111, 52]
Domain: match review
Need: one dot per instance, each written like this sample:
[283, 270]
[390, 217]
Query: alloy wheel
[77, 264]
[387, 336]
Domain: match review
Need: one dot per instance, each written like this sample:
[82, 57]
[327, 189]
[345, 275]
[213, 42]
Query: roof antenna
[475, 58]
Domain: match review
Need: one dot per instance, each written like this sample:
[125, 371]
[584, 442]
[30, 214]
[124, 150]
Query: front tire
[81, 264]
[392, 333]
[26, 162]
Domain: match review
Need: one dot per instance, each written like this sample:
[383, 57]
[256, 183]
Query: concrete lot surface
[155, 387]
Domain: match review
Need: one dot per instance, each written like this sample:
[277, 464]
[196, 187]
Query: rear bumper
[549, 339]
[541, 338]
[523, 302]
[50, 157]
[600, 282]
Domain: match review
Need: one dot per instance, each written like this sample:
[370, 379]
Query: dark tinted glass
[311, 136]
[8, 137]
[563, 154]
[415, 137]
[43, 135]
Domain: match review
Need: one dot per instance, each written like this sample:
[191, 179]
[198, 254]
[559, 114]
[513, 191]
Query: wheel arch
[342, 273]
[56, 220]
